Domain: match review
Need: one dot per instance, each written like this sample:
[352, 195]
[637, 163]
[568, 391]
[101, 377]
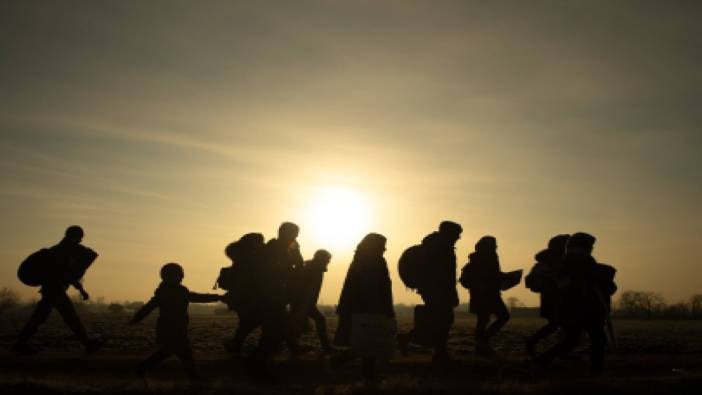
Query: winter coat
[486, 283]
[439, 282]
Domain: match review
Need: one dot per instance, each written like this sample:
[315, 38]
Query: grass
[651, 357]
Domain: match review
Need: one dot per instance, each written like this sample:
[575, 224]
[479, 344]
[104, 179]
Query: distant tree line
[649, 305]
[630, 304]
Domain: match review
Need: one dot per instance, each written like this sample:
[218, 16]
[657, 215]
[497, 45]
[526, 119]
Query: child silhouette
[172, 299]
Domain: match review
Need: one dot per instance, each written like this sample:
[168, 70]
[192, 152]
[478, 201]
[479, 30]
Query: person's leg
[423, 320]
[545, 331]
[296, 323]
[571, 336]
[502, 317]
[185, 354]
[482, 345]
[320, 324]
[64, 306]
[368, 367]
[419, 332]
[443, 320]
[247, 324]
[272, 334]
[598, 340]
[481, 323]
[154, 359]
[40, 314]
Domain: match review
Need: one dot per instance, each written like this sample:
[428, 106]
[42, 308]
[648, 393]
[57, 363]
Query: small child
[172, 299]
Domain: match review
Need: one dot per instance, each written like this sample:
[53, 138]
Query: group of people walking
[270, 286]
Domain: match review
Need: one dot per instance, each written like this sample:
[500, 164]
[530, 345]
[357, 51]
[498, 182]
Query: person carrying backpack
[484, 279]
[542, 279]
[65, 264]
[586, 300]
[271, 283]
[247, 255]
[435, 281]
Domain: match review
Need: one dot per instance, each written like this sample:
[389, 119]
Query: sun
[337, 217]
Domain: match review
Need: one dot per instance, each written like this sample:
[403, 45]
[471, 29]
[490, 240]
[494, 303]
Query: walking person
[437, 286]
[247, 255]
[541, 279]
[172, 300]
[367, 290]
[64, 265]
[485, 279]
[586, 302]
[311, 278]
[286, 261]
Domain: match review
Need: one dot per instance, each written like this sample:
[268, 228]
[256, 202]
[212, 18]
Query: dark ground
[650, 357]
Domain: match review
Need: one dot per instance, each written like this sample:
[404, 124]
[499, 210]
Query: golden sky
[167, 129]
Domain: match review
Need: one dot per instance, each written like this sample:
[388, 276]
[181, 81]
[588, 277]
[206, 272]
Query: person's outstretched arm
[195, 297]
[79, 286]
[145, 310]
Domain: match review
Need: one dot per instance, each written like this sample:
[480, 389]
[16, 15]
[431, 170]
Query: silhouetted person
[61, 274]
[271, 283]
[284, 250]
[286, 260]
[310, 278]
[541, 279]
[367, 290]
[485, 293]
[172, 300]
[247, 255]
[438, 291]
[586, 298]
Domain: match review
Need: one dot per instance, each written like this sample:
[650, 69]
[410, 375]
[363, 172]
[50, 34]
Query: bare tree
[696, 305]
[641, 303]
[677, 310]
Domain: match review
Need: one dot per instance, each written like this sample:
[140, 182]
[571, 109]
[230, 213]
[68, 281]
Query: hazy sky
[168, 129]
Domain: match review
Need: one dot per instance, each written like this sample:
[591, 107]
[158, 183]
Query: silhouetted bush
[9, 299]
[115, 308]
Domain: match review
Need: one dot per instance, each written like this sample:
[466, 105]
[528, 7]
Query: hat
[581, 240]
[450, 227]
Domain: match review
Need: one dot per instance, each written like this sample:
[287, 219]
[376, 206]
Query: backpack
[36, 269]
[238, 251]
[606, 287]
[226, 279]
[410, 266]
[33, 270]
[466, 278]
[540, 278]
[82, 259]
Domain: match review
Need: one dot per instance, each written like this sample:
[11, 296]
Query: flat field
[650, 357]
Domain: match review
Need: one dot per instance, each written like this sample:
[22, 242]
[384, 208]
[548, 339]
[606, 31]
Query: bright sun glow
[338, 217]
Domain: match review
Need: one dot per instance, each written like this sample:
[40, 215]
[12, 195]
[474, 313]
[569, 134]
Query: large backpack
[410, 266]
[34, 269]
[541, 278]
[466, 278]
[605, 283]
[226, 279]
[83, 258]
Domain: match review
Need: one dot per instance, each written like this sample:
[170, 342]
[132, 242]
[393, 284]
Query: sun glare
[338, 217]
